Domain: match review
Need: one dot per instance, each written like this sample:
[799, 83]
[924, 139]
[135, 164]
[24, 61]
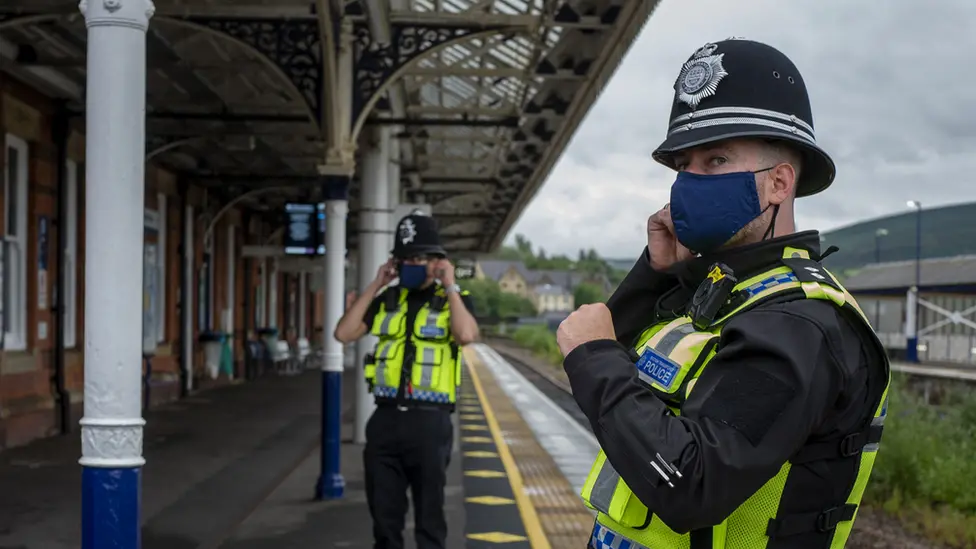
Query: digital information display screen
[305, 229]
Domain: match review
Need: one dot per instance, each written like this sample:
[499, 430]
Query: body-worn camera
[711, 296]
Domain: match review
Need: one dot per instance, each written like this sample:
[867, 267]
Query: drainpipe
[60, 129]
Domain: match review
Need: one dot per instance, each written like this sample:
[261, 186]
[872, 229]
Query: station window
[70, 298]
[14, 274]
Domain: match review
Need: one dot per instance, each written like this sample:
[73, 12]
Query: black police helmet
[416, 235]
[741, 88]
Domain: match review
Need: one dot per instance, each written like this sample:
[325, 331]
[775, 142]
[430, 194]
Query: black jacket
[784, 374]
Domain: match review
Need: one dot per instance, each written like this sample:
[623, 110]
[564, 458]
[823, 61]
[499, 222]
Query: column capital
[335, 187]
[117, 13]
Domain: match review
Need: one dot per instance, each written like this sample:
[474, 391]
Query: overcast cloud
[892, 90]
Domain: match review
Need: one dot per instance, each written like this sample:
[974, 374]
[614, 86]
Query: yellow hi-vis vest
[427, 349]
[623, 522]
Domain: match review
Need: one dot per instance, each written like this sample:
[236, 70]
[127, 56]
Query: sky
[893, 97]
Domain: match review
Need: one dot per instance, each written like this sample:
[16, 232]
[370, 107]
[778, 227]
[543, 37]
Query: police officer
[736, 389]
[421, 322]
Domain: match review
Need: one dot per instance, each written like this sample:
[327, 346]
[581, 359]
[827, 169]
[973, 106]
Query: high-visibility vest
[673, 355]
[427, 349]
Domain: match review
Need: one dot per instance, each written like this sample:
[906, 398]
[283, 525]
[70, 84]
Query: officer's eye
[717, 161]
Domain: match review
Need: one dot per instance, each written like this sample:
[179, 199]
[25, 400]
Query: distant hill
[947, 231]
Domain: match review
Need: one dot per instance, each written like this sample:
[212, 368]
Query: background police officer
[421, 322]
[737, 391]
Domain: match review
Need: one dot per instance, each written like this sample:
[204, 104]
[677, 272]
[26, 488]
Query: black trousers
[407, 449]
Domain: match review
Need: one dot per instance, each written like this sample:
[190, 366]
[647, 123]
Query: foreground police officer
[413, 374]
[737, 391]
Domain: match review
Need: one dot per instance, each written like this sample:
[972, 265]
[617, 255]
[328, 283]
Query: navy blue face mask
[708, 210]
[412, 276]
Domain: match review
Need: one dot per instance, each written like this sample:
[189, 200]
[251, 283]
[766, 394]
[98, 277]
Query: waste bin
[213, 347]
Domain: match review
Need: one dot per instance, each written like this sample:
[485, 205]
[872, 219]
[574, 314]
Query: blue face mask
[708, 210]
[412, 276]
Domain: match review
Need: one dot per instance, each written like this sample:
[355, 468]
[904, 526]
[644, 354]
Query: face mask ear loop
[771, 230]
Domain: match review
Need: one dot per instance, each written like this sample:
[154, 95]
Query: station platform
[235, 468]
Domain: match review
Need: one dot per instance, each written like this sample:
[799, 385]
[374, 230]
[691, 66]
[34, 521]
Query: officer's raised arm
[464, 327]
[352, 325]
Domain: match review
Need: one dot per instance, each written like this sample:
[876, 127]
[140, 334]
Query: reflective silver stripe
[743, 120]
[428, 364]
[672, 338]
[385, 325]
[379, 378]
[605, 538]
[742, 111]
[873, 446]
[606, 484]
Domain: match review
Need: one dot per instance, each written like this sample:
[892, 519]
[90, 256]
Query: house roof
[551, 289]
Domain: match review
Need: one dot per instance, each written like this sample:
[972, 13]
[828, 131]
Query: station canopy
[482, 95]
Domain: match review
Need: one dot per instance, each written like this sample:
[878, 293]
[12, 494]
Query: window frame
[16, 339]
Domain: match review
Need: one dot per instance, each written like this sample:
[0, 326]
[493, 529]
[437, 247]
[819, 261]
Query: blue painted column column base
[331, 485]
[111, 508]
[911, 350]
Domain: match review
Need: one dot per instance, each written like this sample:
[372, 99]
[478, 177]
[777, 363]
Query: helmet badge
[408, 231]
[700, 76]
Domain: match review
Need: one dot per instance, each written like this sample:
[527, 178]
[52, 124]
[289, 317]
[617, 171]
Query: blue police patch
[432, 331]
[658, 368]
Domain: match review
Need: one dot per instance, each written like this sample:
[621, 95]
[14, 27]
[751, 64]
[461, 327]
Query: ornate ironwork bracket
[294, 46]
[375, 64]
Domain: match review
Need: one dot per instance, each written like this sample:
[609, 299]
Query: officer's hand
[588, 323]
[444, 271]
[386, 273]
[662, 244]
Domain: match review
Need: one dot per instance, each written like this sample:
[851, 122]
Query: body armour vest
[414, 364]
[672, 356]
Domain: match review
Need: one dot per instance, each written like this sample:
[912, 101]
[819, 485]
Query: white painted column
[111, 429]
[911, 325]
[394, 193]
[189, 301]
[374, 218]
[331, 484]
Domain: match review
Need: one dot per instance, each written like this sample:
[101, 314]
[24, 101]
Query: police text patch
[653, 366]
[432, 331]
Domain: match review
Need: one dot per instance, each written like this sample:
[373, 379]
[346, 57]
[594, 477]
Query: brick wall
[28, 407]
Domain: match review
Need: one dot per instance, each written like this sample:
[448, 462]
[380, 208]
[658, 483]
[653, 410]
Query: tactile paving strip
[566, 522]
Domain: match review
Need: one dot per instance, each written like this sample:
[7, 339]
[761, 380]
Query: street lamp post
[882, 232]
[911, 314]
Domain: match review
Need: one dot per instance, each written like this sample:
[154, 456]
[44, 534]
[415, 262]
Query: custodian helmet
[416, 234]
[741, 88]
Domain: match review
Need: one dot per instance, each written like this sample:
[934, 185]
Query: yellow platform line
[530, 520]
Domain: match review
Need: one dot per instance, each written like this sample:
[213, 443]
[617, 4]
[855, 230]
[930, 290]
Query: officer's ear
[781, 183]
